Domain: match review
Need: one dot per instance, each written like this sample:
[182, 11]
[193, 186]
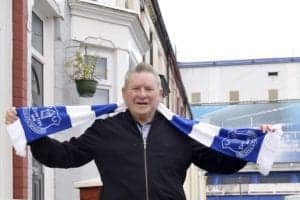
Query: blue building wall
[247, 197]
[253, 178]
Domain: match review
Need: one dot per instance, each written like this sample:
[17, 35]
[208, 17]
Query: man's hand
[266, 128]
[11, 116]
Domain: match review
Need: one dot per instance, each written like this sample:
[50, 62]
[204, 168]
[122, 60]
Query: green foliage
[83, 66]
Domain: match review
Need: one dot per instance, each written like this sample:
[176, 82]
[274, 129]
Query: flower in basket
[83, 72]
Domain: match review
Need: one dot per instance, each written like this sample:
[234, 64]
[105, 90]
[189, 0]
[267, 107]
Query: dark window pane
[37, 33]
[151, 48]
[37, 82]
[164, 85]
[272, 73]
[142, 5]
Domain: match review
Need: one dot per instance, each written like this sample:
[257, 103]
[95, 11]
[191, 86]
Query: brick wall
[90, 193]
[20, 186]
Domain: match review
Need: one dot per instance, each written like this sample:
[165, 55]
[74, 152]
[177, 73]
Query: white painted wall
[6, 97]
[83, 27]
[252, 81]
[117, 39]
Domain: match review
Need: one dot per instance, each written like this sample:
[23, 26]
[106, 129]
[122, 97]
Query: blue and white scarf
[247, 143]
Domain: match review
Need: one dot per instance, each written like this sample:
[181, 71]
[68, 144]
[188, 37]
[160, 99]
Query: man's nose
[142, 92]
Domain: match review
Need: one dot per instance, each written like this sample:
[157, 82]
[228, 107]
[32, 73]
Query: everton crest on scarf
[247, 143]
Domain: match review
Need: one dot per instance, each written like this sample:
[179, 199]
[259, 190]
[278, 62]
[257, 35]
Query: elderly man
[138, 153]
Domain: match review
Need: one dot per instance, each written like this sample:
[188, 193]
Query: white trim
[49, 8]
[38, 56]
[96, 11]
[94, 182]
[46, 10]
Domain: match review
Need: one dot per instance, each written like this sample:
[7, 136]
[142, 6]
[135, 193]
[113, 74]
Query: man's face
[142, 94]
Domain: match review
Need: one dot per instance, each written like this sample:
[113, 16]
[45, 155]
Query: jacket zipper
[146, 168]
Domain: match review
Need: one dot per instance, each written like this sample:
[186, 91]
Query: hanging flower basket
[86, 88]
[83, 74]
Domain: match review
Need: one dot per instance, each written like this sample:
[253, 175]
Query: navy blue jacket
[129, 169]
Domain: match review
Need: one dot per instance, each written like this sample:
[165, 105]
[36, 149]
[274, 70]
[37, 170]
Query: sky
[210, 30]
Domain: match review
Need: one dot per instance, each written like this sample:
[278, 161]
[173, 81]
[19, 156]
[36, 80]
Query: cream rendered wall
[134, 5]
[252, 81]
[6, 97]
[146, 21]
[120, 3]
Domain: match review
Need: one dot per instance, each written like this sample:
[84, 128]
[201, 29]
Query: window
[276, 177]
[196, 97]
[164, 85]
[151, 48]
[142, 5]
[144, 58]
[131, 63]
[273, 94]
[101, 68]
[234, 97]
[102, 96]
[37, 82]
[272, 73]
[37, 36]
[127, 4]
